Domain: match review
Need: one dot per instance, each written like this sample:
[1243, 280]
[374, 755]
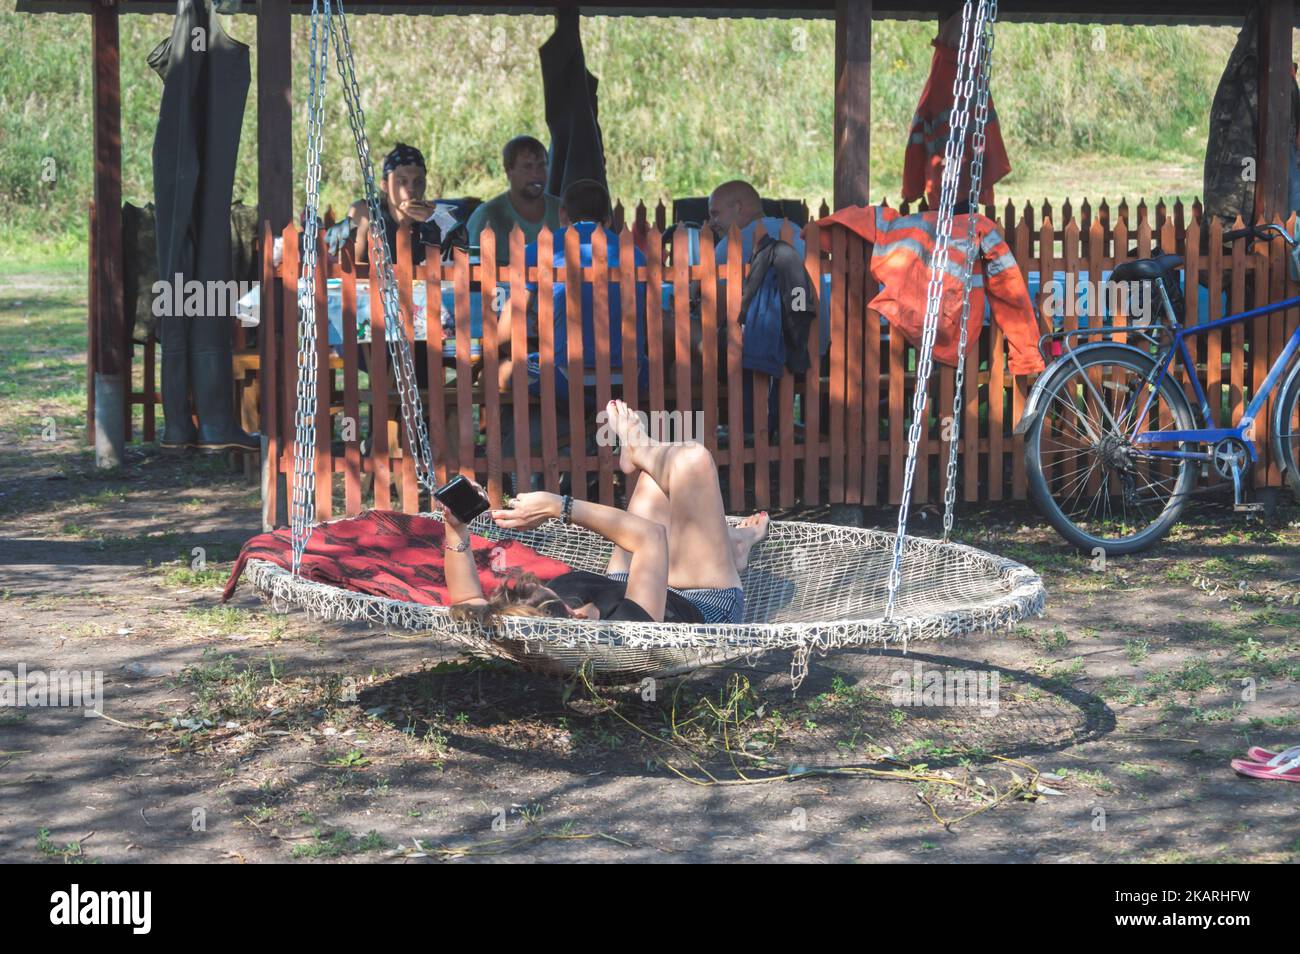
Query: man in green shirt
[525, 203]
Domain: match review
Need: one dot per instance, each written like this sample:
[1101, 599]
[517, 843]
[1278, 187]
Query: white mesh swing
[808, 587]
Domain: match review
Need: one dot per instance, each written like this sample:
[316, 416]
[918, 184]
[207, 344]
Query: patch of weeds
[1137, 649]
[222, 691]
[71, 853]
[1092, 779]
[1062, 679]
[1194, 676]
[1222, 714]
[1273, 722]
[929, 749]
[225, 620]
[1054, 641]
[338, 843]
[181, 575]
[354, 759]
[1136, 770]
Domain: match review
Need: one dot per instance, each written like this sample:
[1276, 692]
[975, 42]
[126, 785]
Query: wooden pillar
[275, 124]
[1275, 86]
[852, 102]
[112, 356]
[275, 118]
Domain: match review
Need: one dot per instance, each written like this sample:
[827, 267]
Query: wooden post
[852, 102]
[112, 357]
[1275, 89]
[274, 206]
[275, 119]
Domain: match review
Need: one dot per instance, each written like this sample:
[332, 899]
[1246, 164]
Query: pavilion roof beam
[1151, 12]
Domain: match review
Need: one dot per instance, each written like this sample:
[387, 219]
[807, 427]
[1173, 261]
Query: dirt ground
[232, 733]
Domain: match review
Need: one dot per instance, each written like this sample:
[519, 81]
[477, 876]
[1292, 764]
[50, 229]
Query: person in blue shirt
[585, 208]
[738, 203]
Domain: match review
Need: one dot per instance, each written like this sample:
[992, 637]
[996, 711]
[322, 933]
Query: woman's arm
[647, 541]
[459, 568]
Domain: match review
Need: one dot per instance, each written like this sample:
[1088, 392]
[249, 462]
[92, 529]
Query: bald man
[738, 203]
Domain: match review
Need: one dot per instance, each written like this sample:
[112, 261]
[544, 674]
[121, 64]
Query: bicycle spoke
[1097, 478]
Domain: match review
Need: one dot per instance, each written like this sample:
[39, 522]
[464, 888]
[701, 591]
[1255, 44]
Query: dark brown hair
[521, 144]
[520, 594]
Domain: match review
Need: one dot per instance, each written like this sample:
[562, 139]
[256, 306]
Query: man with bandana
[403, 204]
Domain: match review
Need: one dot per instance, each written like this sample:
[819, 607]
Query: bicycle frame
[1244, 431]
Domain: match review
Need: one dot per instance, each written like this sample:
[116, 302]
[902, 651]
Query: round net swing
[808, 587]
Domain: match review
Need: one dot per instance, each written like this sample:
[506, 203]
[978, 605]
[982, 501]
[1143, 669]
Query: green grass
[71, 853]
[685, 104]
[42, 354]
[338, 843]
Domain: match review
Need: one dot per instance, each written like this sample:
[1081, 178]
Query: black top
[422, 234]
[610, 597]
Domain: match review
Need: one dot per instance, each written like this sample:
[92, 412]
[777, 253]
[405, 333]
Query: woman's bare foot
[745, 535]
[627, 425]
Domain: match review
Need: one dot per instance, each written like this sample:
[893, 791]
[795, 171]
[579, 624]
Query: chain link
[381, 263]
[983, 54]
[329, 26]
[302, 515]
[954, 150]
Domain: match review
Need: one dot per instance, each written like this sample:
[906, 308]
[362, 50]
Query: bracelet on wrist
[461, 548]
[566, 512]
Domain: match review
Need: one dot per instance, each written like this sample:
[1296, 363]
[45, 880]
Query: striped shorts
[715, 605]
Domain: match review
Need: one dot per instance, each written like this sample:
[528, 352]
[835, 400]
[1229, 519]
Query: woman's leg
[700, 552]
[648, 501]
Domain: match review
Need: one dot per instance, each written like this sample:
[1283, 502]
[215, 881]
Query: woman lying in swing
[675, 558]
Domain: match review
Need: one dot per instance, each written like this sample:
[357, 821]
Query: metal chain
[983, 54]
[302, 516]
[329, 25]
[381, 265]
[963, 91]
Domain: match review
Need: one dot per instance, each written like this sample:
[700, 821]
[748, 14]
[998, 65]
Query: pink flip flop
[1257, 754]
[1284, 771]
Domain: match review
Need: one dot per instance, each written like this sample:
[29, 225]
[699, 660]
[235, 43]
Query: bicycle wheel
[1286, 438]
[1091, 481]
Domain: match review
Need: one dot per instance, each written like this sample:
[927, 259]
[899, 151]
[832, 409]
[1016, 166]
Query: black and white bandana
[403, 155]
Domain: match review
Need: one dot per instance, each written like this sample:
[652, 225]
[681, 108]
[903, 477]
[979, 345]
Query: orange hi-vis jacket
[928, 138]
[900, 263]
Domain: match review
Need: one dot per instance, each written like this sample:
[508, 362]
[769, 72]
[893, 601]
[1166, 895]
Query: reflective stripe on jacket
[928, 138]
[900, 263]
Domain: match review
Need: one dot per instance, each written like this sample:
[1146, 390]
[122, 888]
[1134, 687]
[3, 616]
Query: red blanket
[394, 555]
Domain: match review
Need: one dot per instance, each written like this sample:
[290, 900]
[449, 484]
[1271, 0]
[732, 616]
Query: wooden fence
[843, 441]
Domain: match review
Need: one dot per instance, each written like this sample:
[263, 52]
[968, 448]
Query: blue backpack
[776, 331]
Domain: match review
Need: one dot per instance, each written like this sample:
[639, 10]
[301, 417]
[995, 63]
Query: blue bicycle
[1112, 446]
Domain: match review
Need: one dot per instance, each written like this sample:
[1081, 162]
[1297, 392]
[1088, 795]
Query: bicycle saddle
[1163, 268]
[1147, 269]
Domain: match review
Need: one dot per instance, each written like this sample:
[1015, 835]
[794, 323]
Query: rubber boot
[179, 433]
[213, 380]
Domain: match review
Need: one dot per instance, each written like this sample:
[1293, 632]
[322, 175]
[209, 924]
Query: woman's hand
[529, 510]
[451, 519]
